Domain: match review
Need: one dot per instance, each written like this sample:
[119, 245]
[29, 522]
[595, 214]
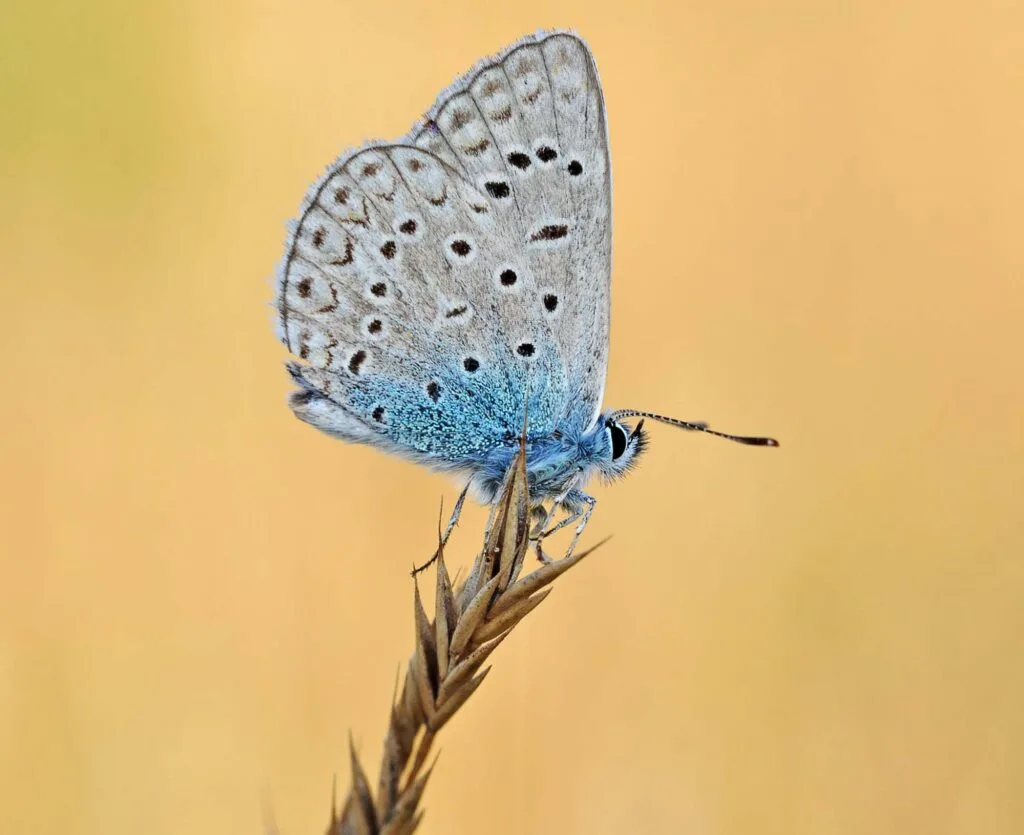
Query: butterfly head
[620, 446]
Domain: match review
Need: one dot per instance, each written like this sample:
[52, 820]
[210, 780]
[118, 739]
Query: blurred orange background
[818, 235]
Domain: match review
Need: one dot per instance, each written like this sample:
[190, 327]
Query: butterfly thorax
[556, 463]
[561, 462]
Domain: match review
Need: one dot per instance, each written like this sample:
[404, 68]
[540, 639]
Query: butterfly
[440, 288]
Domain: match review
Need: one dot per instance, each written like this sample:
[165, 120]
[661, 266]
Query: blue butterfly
[440, 287]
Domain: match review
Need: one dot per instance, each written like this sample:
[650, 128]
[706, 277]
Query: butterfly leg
[590, 503]
[544, 517]
[456, 513]
[452, 522]
[577, 498]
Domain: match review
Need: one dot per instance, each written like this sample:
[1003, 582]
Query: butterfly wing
[430, 283]
[535, 114]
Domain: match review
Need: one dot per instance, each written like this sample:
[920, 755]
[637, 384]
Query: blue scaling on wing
[448, 421]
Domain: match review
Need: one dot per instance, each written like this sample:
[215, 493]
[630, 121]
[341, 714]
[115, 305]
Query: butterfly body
[558, 464]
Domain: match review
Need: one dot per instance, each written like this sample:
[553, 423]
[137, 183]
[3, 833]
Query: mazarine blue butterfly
[432, 284]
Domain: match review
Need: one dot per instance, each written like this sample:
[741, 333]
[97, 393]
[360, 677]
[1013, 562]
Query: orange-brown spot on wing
[477, 148]
[561, 61]
[526, 66]
[460, 118]
[347, 259]
[333, 305]
[328, 354]
[489, 88]
[363, 221]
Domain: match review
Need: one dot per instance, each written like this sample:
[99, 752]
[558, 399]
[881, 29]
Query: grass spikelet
[470, 620]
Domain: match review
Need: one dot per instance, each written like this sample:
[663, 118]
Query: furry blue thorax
[561, 463]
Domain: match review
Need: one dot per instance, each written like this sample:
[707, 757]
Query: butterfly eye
[618, 439]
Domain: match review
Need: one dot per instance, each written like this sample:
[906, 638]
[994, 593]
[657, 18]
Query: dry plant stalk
[445, 669]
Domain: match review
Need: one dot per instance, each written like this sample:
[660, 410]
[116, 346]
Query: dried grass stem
[446, 668]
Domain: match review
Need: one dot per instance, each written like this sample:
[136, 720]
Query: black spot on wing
[519, 160]
[498, 190]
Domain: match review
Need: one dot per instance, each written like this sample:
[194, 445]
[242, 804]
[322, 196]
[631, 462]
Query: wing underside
[430, 283]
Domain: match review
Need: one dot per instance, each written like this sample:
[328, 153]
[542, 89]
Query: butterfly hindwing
[428, 284]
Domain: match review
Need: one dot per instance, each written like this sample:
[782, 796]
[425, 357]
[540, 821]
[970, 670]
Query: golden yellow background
[819, 234]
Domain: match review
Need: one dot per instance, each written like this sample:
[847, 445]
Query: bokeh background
[818, 235]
